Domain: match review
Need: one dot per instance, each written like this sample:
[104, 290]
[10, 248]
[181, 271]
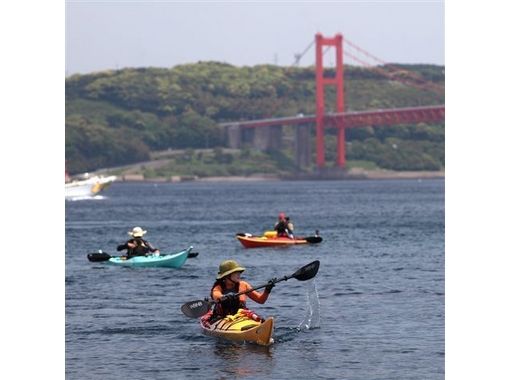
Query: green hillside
[119, 117]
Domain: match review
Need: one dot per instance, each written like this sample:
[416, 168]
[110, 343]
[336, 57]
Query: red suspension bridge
[340, 120]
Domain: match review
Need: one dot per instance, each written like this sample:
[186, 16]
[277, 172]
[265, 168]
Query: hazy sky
[115, 34]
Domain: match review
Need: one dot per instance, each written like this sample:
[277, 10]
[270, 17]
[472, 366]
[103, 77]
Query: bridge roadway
[267, 133]
[352, 119]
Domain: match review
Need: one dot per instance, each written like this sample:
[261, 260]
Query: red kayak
[270, 240]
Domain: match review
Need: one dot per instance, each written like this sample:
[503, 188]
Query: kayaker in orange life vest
[228, 282]
[137, 246]
[284, 226]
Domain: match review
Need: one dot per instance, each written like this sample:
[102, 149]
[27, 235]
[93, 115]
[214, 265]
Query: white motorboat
[87, 186]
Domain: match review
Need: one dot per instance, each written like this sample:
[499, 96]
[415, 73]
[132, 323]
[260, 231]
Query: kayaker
[137, 246]
[284, 227]
[228, 283]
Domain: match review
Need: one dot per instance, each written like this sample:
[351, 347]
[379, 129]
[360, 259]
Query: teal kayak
[172, 260]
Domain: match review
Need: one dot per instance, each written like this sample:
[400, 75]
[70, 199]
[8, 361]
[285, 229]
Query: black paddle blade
[313, 239]
[192, 254]
[308, 271]
[97, 257]
[195, 309]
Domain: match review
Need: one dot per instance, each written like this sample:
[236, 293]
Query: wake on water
[87, 197]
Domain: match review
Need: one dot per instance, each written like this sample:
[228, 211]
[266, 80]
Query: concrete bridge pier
[302, 144]
[234, 136]
[268, 138]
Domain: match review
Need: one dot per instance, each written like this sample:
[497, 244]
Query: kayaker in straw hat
[137, 246]
[228, 283]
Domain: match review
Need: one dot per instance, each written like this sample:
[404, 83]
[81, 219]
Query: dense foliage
[119, 117]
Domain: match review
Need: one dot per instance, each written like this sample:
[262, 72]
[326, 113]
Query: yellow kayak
[244, 326]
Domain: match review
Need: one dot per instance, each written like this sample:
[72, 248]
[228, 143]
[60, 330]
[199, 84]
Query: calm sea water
[374, 311]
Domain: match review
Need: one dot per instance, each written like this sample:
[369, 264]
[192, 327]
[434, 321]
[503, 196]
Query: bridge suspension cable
[394, 76]
[421, 82]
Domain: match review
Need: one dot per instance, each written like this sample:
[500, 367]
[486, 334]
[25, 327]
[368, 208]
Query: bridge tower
[338, 82]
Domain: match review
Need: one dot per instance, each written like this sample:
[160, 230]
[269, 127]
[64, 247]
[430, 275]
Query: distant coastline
[391, 174]
[352, 174]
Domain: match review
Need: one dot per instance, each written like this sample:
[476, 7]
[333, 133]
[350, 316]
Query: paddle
[99, 256]
[313, 239]
[195, 309]
[103, 256]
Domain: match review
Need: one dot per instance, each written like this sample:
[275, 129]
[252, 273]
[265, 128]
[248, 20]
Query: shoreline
[391, 174]
[352, 174]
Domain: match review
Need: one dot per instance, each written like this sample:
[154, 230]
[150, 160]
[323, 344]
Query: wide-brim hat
[227, 267]
[137, 232]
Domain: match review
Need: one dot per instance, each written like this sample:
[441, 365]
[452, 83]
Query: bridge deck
[384, 117]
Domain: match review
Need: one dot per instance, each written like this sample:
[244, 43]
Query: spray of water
[312, 318]
[87, 198]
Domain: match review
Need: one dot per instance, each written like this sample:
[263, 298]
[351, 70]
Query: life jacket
[141, 247]
[229, 307]
[281, 228]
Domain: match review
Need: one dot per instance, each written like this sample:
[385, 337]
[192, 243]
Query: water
[374, 311]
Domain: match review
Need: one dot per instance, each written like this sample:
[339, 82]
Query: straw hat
[137, 232]
[227, 267]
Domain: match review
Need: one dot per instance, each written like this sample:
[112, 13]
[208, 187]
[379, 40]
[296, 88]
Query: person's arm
[290, 230]
[216, 292]
[151, 247]
[254, 295]
[130, 244]
[122, 247]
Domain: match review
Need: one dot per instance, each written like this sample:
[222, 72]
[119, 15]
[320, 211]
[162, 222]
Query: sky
[104, 35]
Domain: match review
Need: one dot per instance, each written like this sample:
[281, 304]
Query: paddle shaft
[260, 287]
[252, 289]
[305, 273]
